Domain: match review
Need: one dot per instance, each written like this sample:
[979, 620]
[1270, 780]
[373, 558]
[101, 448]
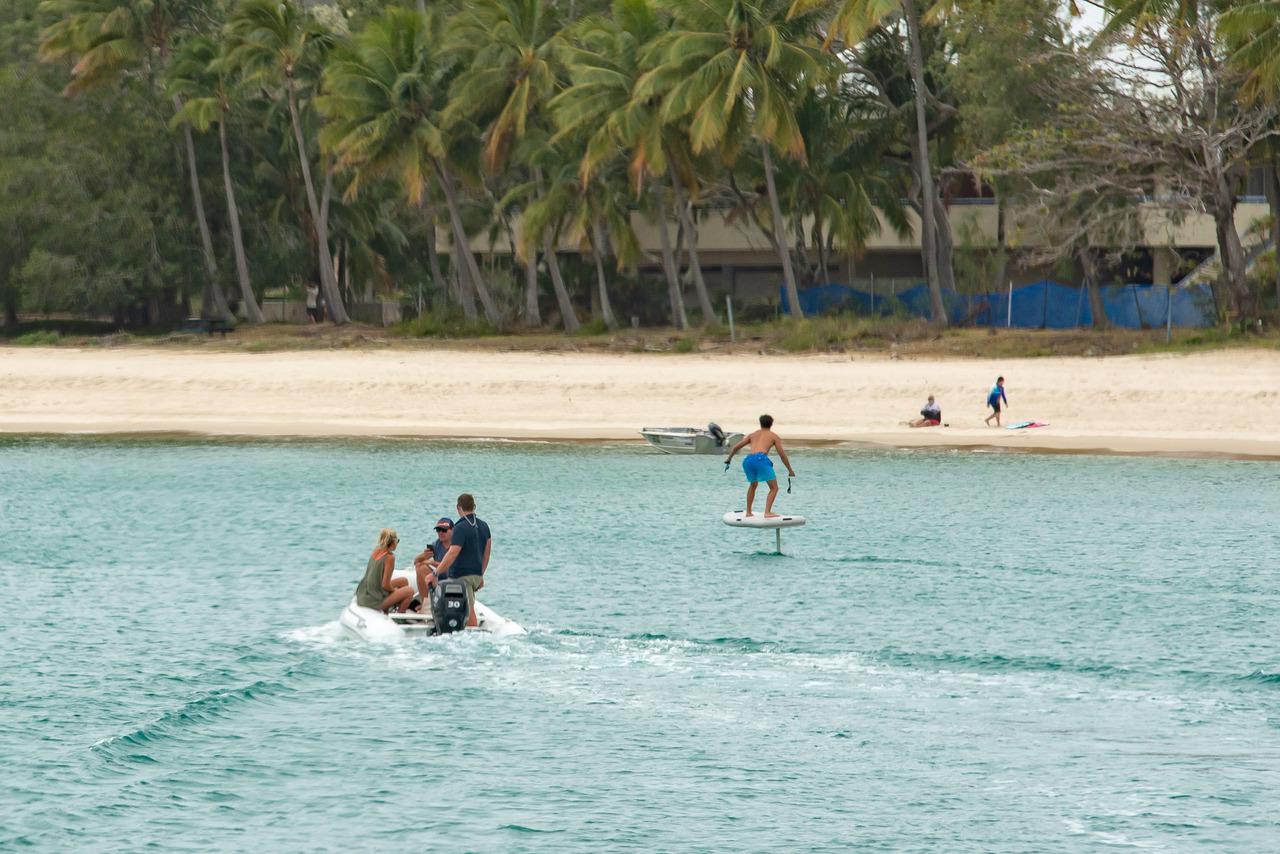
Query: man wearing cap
[468, 554]
[425, 563]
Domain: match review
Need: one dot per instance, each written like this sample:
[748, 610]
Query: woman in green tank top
[378, 589]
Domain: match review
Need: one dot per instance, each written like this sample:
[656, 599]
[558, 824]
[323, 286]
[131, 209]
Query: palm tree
[852, 21]
[735, 69]
[197, 74]
[507, 49]
[110, 39]
[275, 41]
[606, 57]
[383, 107]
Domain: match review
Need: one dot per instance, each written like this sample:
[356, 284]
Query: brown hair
[467, 502]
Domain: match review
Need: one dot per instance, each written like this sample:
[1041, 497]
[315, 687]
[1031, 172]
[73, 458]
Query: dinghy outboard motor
[716, 433]
[450, 605]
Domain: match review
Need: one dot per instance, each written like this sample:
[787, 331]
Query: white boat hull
[370, 624]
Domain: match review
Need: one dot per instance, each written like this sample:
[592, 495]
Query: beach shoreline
[1218, 404]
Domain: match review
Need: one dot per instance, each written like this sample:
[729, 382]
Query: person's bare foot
[747, 515]
[772, 515]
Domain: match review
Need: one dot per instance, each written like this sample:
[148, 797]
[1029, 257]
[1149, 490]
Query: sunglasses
[440, 529]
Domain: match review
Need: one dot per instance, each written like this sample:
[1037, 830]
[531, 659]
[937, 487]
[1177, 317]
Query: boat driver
[468, 554]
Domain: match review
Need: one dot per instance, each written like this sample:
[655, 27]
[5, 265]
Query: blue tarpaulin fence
[1043, 305]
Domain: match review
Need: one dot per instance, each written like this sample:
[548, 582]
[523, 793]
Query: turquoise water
[961, 652]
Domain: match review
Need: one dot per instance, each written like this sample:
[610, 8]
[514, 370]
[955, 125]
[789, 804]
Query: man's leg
[768, 504]
[751, 496]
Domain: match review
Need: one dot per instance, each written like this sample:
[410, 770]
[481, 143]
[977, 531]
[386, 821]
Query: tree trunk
[468, 258]
[328, 281]
[597, 249]
[433, 257]
[1230, 252]
[215, 301]
[944, 249]
[780, 235]
[1002, 242]
[252, 312]
[930, 230]
[532, 314]
[1272, 187]
[679, 318]
[11, 308]
[1089, 267]
[686, 221]
[568, 317]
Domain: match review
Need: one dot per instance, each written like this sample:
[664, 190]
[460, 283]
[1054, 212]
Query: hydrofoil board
[739, 519]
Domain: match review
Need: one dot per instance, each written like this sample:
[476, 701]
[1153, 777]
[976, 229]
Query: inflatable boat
[446, 613]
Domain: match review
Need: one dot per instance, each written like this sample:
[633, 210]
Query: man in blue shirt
[468, 554]
[425, 563]
[993, 400]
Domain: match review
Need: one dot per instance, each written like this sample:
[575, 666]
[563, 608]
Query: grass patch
[595, 326]
[39, 338]
[836, 332]
[688, 343]
[443, 324]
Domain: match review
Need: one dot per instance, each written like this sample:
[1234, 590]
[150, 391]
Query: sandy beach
[1221, 403]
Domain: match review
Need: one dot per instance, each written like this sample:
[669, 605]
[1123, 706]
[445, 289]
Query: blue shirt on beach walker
[758, 468]
[997, 394]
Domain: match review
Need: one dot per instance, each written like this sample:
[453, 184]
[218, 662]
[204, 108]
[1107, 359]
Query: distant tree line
[155, 153]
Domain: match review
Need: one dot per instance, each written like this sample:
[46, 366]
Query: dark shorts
[313, 313]
[994, 404]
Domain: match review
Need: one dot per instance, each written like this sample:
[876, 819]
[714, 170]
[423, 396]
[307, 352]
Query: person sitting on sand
[757, 465]
[930, 416]
[993, 400]
[378, 589]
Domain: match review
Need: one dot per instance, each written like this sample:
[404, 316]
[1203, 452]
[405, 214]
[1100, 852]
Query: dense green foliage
[163, 155]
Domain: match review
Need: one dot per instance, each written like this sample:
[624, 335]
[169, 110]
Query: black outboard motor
[450, 606]
[714, 429]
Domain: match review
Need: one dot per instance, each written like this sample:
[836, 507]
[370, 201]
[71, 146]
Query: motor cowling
[718, 434]
[450, 605]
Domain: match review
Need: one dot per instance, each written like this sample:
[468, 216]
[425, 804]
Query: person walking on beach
[993, 400]
[758, 467]
[468, 554]
[378, 589]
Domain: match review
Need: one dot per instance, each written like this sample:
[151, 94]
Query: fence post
[1168, 315]
[1008, 323]
[733, 332]
[873, 294]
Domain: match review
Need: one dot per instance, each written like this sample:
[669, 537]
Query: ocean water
[961, 652]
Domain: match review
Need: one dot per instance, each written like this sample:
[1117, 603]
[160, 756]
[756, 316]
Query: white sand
[1218, 403]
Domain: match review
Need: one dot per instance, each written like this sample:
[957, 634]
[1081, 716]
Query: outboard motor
[450, 606]
[714, 429]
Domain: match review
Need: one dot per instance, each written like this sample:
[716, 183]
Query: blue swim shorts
[758, 468]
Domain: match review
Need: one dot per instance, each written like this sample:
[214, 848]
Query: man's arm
[484, 564]
[447, 561]
[782, 455]
[745, 441]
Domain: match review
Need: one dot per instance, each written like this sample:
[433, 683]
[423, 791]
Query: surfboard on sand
[1021, 425]
[739, 519]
